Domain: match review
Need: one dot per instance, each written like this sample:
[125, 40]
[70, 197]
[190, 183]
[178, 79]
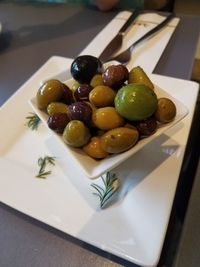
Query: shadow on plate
[130, 173]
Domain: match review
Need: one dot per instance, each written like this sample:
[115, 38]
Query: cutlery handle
[154, 30]
[130, 20]
[117, 41]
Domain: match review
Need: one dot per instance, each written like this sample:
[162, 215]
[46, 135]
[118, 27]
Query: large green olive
[76, 134]
[119, 139]
[50, 91]
[135, 102]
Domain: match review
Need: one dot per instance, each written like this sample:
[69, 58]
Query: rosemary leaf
[43, 174]
[99, 190]
[42, 163]
[33, 121]
[107, 197]
[110, 186]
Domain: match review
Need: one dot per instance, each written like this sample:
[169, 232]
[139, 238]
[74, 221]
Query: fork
[125, 56]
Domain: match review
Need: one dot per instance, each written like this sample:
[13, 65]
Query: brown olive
[115, 76]
[119, 139]
[166, 110]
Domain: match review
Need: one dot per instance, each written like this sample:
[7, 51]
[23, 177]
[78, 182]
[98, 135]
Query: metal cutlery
[125, 56]
[117, 41]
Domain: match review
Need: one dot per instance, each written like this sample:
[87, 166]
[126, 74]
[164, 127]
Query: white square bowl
[94, 168]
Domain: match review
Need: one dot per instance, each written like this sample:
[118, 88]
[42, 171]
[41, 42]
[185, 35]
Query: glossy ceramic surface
[134, 225]
[94, 168]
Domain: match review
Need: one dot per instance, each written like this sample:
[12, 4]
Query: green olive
[107, 118]
[166, 110]
[96, 80]
[75, 85]
[119, 139]
[138, 75]
[102, 96]
[76, 134]
[56, 107]
[50, 91]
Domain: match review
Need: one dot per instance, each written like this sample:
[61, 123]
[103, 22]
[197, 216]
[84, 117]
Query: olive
[96, 80]
[107, 118]
[76, 134]
[138, 75]
[166, 110]
[80, 111]
[119, 139]
[94, 148]
[57, 122]
[67, 96]
[129, 125]
[135, 102]
[84, 67]
[115, 76]
[147, 127]
[82, 92]
[102, 96]
[50, 91]
[75, 85]
[56, 107]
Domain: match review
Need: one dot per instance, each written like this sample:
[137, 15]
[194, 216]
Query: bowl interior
[94, 168]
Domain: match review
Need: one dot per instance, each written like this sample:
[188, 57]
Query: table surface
[46, 30]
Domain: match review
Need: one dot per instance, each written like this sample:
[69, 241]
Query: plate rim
[15, 206]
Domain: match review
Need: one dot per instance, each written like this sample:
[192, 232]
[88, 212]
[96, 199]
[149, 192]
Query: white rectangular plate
[94, 168]
[134, 226]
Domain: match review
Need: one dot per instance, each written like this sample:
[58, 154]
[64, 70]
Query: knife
[116, 42]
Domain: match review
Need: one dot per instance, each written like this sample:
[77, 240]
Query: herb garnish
[33, 121]
[110, 186]
[42, 163]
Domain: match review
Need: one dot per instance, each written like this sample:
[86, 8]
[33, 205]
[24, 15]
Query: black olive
[83, 68]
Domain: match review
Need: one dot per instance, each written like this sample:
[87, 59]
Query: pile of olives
[106, 111]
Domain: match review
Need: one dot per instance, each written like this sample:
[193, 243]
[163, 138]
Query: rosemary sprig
[42, 163]
[33, 121]
[110, 186]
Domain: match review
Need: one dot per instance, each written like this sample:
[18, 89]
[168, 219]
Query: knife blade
[117, 41]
